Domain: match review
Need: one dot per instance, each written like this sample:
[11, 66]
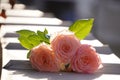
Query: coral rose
[85, 60]
[65, 44]
[42, 58]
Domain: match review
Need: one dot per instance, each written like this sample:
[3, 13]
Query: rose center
[86, 60]
[66, 48]
[45, 61]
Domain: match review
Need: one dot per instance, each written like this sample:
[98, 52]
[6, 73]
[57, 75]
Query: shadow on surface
[108, 68]
[11, 35]
[103, 50]
[15, 46]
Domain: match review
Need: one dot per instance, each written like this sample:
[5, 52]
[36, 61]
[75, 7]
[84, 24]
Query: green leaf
[82, 27]
[28, 54]
[45, 31]
[40, 34]
[43, 36]
[29, 39]
[25, 42]
[34, 39]
[25, 33]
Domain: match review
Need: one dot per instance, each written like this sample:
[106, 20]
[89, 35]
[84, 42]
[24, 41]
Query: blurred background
[106, 13]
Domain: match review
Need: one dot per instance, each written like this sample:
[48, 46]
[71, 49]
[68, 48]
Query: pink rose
[42, 58]
[64, 45]
[85, 60]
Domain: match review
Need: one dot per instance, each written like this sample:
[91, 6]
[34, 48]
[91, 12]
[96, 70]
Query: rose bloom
[65, 44]
[42, 58]
[85, 60]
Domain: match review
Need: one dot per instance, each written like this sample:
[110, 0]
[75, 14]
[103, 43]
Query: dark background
[106, 13]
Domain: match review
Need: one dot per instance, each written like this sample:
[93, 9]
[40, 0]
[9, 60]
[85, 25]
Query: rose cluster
[65, 53]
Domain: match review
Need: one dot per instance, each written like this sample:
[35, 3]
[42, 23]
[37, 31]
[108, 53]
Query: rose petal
[86, 60]
[42, 58]
[65, 46]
